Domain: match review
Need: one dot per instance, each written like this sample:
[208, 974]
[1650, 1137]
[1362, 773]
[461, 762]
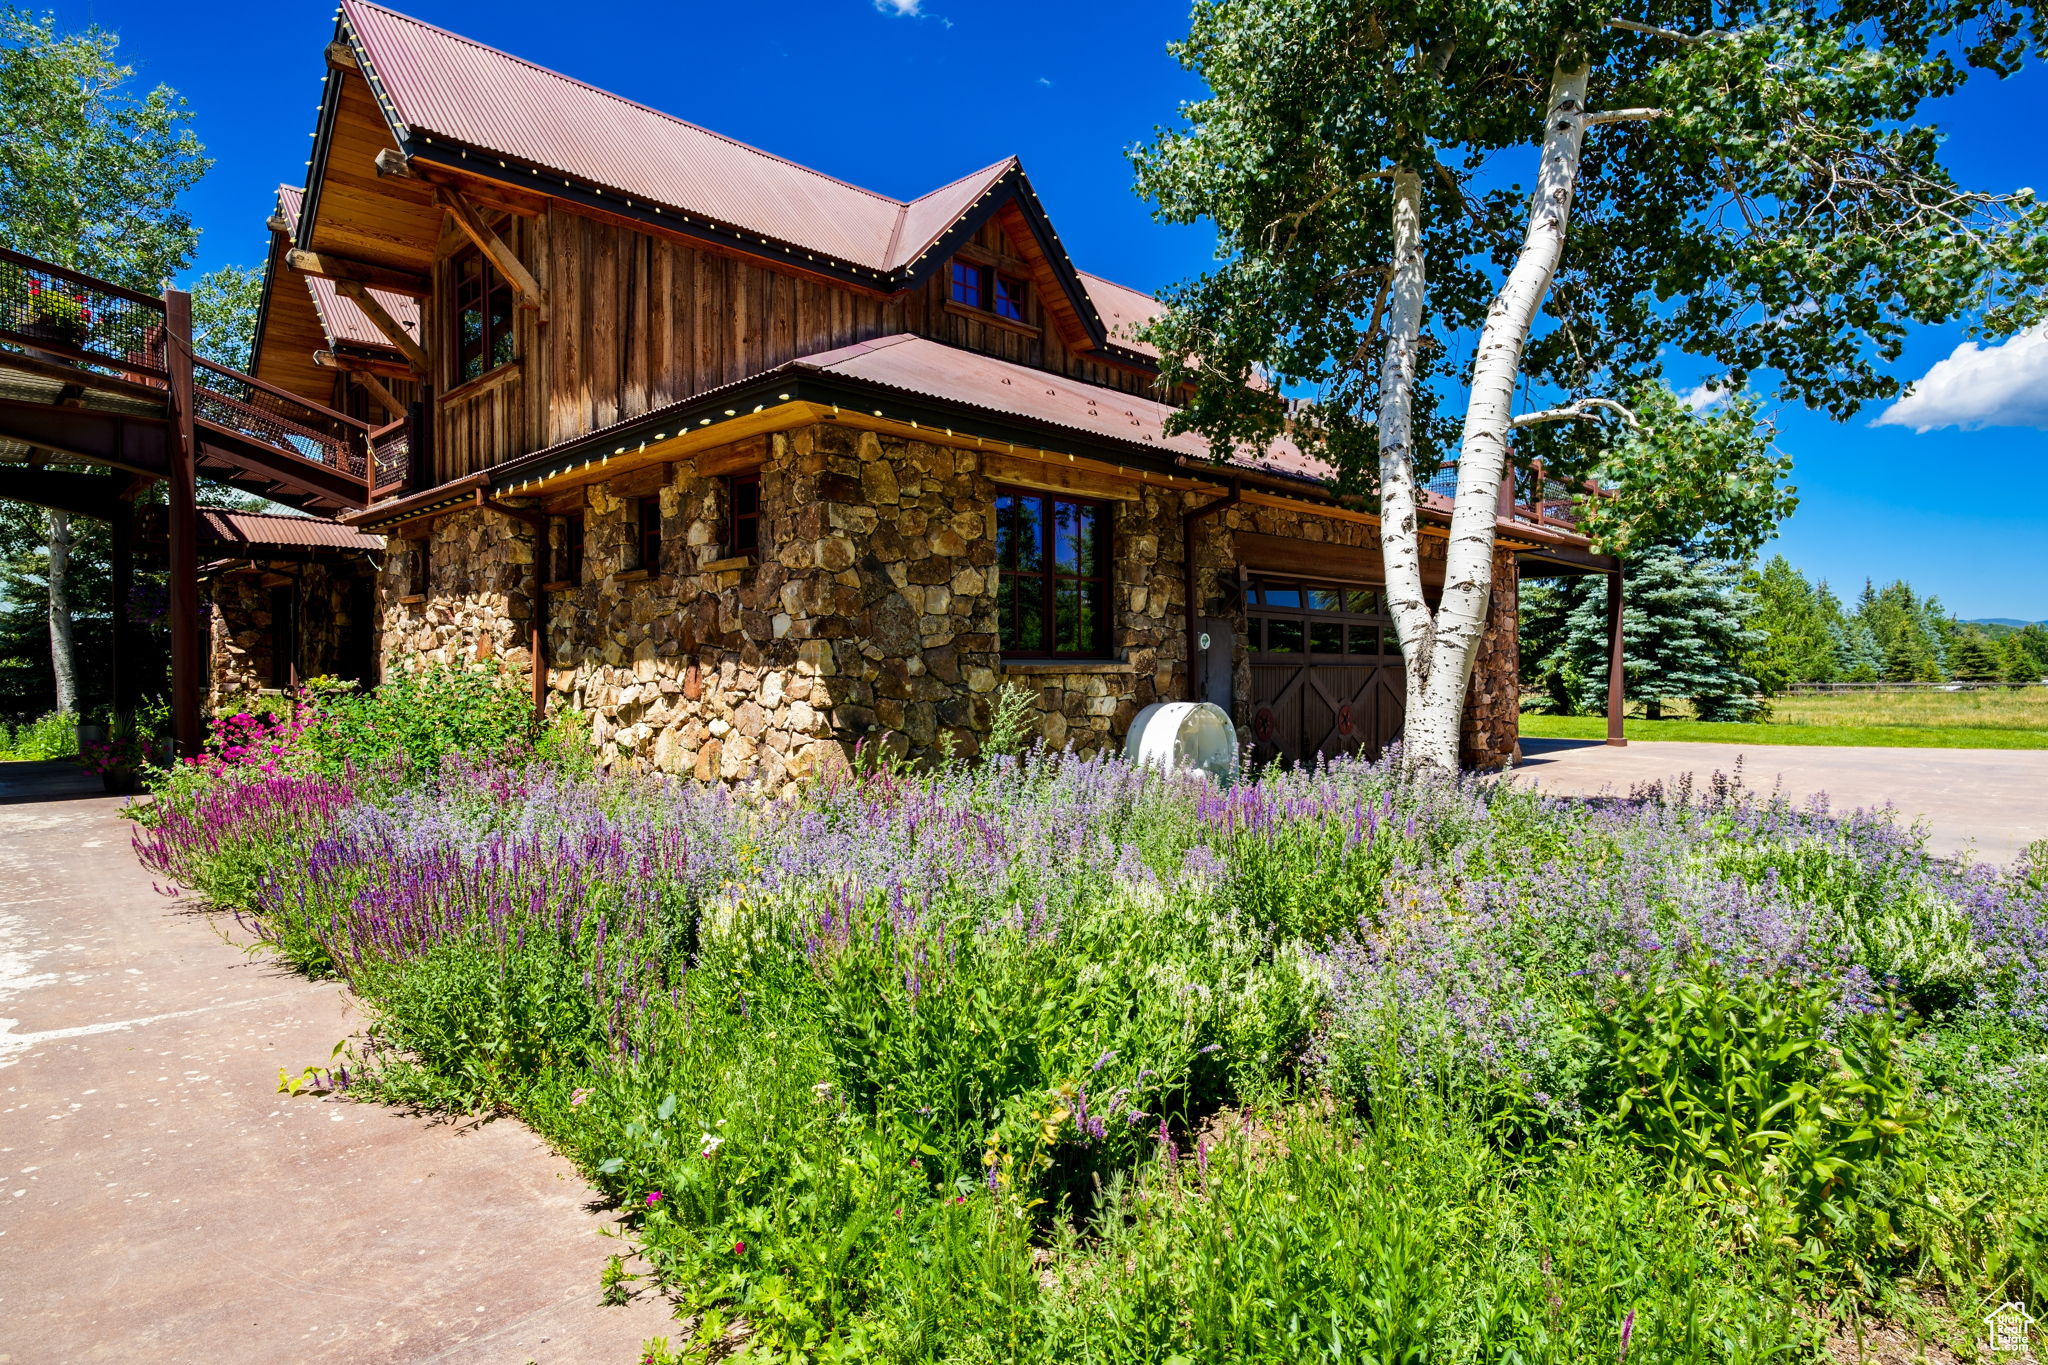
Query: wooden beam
[363, 364]
[341, 54]
[394, 163]
[388, 325]
[276, 223]
[339, 269]
[502, 256]
[378, 391]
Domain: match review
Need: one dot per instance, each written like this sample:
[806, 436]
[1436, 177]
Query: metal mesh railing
[390, 456]
[1538, 500]
[74, 319]
[247, 407]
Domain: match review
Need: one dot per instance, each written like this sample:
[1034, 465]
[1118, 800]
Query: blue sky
[903, 95]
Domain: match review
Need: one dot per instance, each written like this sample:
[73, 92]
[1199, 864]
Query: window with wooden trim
[970, 283]
[646, 513]
[1009, 298]
[743, 514]
[978, 286]
[483, 313]
[419, 569]
[1053, 561]
[568, 549]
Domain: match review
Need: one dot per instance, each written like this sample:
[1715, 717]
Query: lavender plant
[1050, 1054]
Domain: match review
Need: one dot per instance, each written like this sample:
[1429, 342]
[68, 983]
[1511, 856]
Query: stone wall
[243, 632]
[867, 616]
[1493, 705]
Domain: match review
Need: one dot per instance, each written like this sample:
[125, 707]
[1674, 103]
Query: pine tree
[1799, 641]
[1977, 657]
[1684, 628]
[1862, 656]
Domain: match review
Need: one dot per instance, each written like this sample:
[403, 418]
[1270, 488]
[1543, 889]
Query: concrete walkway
[160, 1202]
[1989, 802]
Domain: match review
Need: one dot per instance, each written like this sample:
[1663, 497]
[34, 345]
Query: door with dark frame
[1325, 670]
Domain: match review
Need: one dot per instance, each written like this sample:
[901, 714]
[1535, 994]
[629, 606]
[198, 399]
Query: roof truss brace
[502, 256]
[388, 325]
[341, 269]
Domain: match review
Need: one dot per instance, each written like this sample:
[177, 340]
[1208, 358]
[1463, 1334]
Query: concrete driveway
[159, 1201]
[1990, 803]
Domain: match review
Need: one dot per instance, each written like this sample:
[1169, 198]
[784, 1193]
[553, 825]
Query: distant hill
[2001, 625]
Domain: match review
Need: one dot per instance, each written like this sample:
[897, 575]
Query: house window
[977, 286]
[743, 514]
[970, 284]
[483, 317]
[1009, 298]
[569, 549]
[1053, 554]
[647, 527]
[420, 569]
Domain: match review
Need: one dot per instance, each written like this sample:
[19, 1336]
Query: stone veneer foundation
[869, 614]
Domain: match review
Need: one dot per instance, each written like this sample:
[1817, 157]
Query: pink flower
[653, 1198]
[578, 1097]
[739, 1248]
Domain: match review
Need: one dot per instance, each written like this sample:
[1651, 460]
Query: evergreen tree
[2028, 648]
[1976, 657]
[1798, 639]
[1862, 656]
[1685, 626]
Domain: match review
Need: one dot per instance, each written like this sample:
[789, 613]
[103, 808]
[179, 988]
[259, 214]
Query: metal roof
[261, 530]
[932, 369]
[439, 84]
[341, 318]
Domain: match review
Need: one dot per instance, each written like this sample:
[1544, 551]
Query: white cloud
[1979, 386]
[1044, 81]
[1700, 397]
[902, 9]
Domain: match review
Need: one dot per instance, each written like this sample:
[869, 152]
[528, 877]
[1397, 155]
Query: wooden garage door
[1326, 670]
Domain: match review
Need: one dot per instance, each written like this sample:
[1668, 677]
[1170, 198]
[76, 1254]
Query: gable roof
[341, 317]
[445, 96]
[222, 529]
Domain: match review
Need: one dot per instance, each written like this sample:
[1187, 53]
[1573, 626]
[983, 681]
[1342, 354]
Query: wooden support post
[492, 245]
[386, 324]
[1617, 698]
[391, 405]
[183, 488]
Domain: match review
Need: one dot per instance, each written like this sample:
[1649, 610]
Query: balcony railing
[248, 407]
[73, 319]
[1536, 499]
[390, 458]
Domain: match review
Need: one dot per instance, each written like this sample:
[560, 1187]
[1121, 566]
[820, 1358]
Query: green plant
[52, 736]
[1012, 722]
[1794, 1123]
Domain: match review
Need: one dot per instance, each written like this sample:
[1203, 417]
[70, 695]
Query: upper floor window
[978, 286]
[743, 514]
[484, 310]
[970, 284]
[1009, 298]
[647, 533]
[1053, 555]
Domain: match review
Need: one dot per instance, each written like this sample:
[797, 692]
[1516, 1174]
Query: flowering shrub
[1053, 1055]
[266, 742]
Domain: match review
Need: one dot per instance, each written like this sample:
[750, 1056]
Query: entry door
[1326, 670]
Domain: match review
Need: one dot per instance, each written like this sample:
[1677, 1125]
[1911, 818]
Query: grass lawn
[2000, 718]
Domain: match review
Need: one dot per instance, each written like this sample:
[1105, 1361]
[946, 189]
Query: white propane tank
[1184, 734]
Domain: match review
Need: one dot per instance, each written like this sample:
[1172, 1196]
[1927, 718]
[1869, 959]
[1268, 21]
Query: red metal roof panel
[341, 317]
[260, 530]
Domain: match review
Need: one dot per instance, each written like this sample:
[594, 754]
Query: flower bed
[1054, 1057]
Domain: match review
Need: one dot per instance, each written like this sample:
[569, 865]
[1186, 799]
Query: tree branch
[1581, 411]
[1625, 116]
[1651, 30]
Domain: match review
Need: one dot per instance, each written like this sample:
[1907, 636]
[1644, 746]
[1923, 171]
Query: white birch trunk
[1430, 737]
[1400, 541]
[63, 657]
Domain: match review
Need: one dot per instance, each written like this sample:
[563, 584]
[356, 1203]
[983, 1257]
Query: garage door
[1326, 670]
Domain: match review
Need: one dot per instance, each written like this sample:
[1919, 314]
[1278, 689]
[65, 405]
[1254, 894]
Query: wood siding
[638, 321]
